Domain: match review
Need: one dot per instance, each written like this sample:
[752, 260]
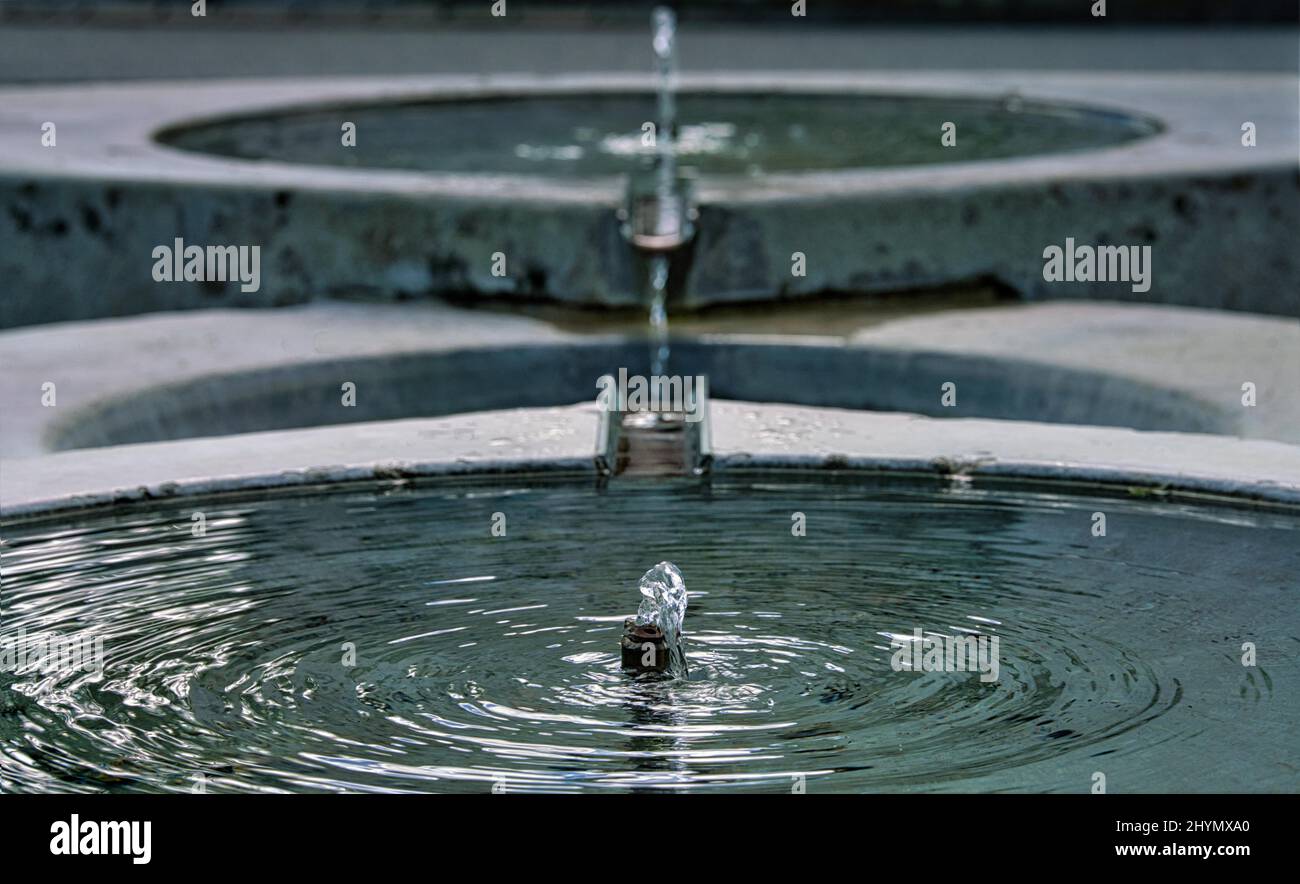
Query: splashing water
[663, 604]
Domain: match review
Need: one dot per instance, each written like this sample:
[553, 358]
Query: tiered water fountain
[395, 601]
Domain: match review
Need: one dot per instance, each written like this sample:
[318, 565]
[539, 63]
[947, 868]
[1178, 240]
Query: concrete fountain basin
[397, 233]
[152, 405]
[263, 553]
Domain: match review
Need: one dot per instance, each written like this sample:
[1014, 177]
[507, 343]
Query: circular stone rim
[563, 440]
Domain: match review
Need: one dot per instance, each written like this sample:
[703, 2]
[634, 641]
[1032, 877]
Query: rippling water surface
[485, 662]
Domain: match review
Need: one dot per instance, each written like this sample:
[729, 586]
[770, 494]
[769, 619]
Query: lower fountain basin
[487, 661]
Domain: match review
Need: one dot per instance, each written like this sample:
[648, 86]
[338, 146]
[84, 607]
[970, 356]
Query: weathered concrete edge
[1154, 482]
[488, 443]
[752, 436]
[1269, 472]
[378, 471]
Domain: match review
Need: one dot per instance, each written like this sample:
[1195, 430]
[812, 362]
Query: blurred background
[69, 40]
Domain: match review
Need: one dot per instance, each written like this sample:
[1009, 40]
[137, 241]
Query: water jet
[652, 641]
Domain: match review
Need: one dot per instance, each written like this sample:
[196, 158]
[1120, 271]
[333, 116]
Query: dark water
[592, 135]
[483, 661]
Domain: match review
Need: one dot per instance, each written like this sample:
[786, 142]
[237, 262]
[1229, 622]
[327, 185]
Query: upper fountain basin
[852, 173]
[720, 133]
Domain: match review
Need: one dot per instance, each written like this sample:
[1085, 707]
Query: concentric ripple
[385, 639]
